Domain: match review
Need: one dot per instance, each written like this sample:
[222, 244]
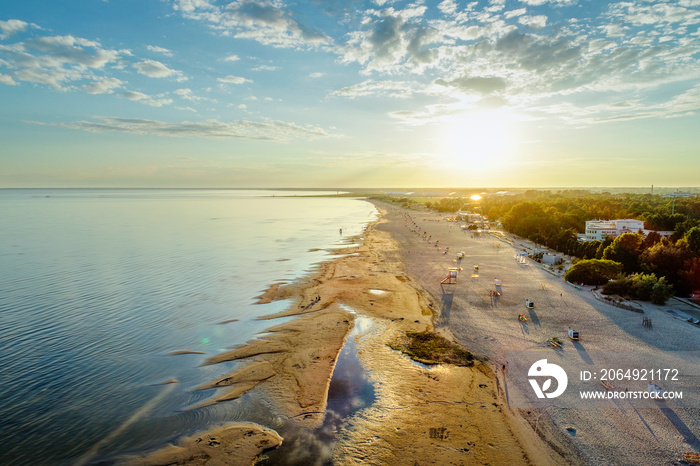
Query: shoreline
[292, 365]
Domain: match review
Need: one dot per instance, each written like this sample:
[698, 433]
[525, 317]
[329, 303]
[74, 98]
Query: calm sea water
[98, 286]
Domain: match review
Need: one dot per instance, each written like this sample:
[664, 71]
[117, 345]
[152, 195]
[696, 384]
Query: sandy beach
[491, 328]
[442, 414]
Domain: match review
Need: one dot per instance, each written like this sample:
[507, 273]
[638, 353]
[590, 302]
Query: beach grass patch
[431, 348]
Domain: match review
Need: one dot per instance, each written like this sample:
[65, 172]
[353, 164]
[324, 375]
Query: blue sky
[333, 93]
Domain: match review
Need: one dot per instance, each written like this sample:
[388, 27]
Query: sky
[348, 93]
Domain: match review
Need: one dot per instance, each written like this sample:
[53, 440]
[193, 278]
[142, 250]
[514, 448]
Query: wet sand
[422, 415]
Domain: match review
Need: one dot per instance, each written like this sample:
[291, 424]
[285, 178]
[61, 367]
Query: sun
[479, 140]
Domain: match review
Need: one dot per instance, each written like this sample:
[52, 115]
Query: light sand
[234, 445]
[442, 415]
[490, 327]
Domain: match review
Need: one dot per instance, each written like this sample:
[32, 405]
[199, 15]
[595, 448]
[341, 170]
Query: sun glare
[475, 197]
[479, 141]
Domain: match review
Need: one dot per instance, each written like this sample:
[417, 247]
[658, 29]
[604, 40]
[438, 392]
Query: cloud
[156, 69]
[515, 13]
[484, 55]
[12, 26]
[146, 99]
[73, 50]
[187, 94]
[392, 41]
[5, 79]
[684, 104]
[552, 2]
[57, 61]
[265, 68]
[479, 84]
[232, 58]
[316, 75]
[234, 80]
[154, 48]
[265, 130]
[103, 86]
[535, 22]
[652, 14]
[394, 89]
[268, 22]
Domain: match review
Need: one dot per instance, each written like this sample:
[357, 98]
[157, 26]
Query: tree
[642, 285]
[661, 291]
[692, 236]
[645, 287]
[602, 246]
[593, 271]
[625, 249]
[651, 239]
[668, 260]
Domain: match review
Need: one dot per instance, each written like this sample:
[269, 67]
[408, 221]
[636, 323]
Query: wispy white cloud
[188, 94]
[265, 68]
[642, 13]
[536, 22]
[515, 13]
[268, 22]
[156, 69]
[396, 89]
[234, 80]
[684, 104]
[232, 58]
[264, 130]
[103, 85]
[5, 79]
[316, 75]
[551, 2]
[57, 61]
[12, 26]
[158, 101]
[156, 49]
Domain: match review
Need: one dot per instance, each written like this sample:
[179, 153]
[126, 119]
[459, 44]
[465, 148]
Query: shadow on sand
[681, 427]
[582, 352]
[447, 297]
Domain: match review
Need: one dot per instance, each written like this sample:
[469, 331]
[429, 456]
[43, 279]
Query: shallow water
[350, 391]
[98, 286]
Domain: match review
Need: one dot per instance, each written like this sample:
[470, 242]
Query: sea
[98, 287]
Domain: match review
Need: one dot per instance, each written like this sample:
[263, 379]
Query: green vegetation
[447, 204]
[555, 219]
[431, 348]
[405, 202]
[625, 249]
[645, 287]
[593, 271]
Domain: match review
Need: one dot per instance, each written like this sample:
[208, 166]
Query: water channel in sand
[349, 392]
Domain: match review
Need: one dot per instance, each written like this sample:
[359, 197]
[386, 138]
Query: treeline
[447, 204]
[555, 219]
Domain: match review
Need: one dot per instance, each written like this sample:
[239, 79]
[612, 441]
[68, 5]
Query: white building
[679, 194]
[470, 217]
[599, 229]
[551, 259]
